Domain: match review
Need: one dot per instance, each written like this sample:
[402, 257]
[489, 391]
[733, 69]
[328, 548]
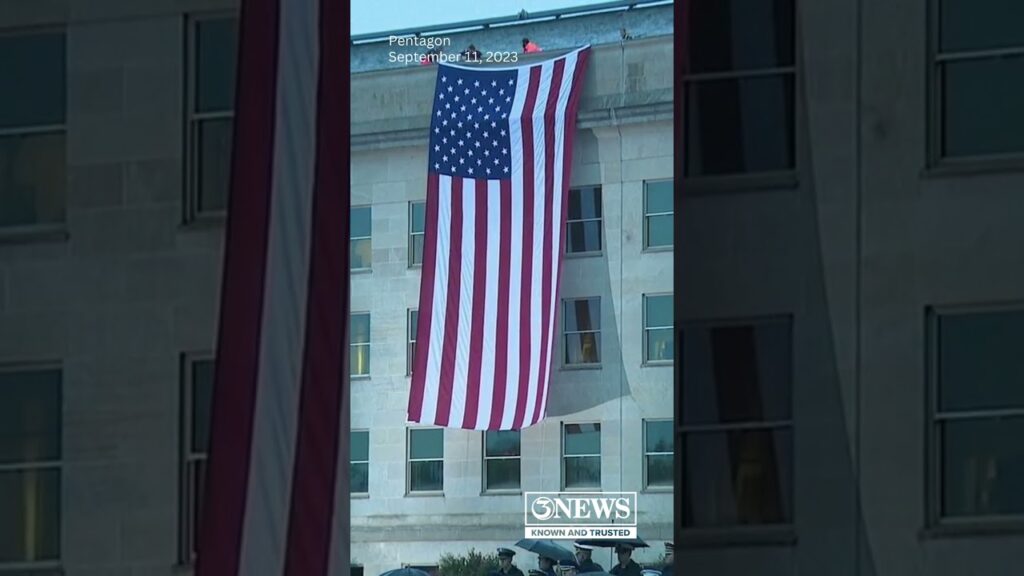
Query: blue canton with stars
[469, 128]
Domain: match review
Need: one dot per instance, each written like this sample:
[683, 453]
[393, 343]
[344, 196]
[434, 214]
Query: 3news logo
[575, 515]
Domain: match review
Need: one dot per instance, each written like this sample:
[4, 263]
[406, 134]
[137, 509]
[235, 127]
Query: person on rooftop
[529, 46]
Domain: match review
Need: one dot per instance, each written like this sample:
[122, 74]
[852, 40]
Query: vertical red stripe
[501, 343]
[525, 331]
[570, 133]
[451, 315]
[549, 198]
[242, 292]
[316, 452]
[425, 314]
[479, 298]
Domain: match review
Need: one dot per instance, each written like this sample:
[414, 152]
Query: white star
[453, 114]
[488, 170]
[487, 152]
[437, 148]
[506, 169]
[484, 92]
[487, 116]
[451, 133]
[476, 124]
[441, 96]
[490, 100]
[453, 151]
[437, 130]
[508, 98]
[503, 116]
[470, 170]
[494, 124]
[437, 166]
[447, 106]
[463, 108]
[444, 78]
[470, 152]
[460, 81]
[456, 98]
[477, 83]
[444, 158]
[485, 134]
[502, 132]
[480, 109]
[504, 151]
[462, 160]
[449, 88]
[495, 161]
[494, 82]
[438, 112]
[497, 108]
[444, 140]
[494, 143]
[477, 143]
[509, 81]
[501, 92]
[466, 91]
[462, 142]
[470, 117]
[473, 101]
[444, 122]
[469, 135]
[478, 162]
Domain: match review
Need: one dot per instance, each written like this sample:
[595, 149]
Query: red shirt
[532, 47]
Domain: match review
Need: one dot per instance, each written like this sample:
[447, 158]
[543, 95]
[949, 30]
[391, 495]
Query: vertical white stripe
[536, 245]
[561, 121]
[468, 259]
[487, 351]
[282, 334]
[438, 311]
[516, 261]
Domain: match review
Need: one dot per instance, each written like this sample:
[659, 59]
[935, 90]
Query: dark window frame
[647, 329]
[698, 185]
[365, 494]
[410, 340]
[353, 347]
[648, 215]
[646, 452]
[194, 119]
[369, 238]
[563, 457]
[600, 220]
[413, 234]
[565, 333]
[409, 460]
[188, 458]
[58, 465]
[44, 229]
[936, 521]
[519, 459]
[715, 536]
[937, 162]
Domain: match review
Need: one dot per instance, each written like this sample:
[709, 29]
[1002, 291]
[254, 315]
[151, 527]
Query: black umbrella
[634, 542]
[405, 572]
[547, 548]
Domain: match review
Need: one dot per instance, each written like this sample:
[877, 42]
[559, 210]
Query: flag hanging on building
[500, 155]
[276, 498]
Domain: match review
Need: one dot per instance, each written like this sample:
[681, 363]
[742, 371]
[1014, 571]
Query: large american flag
[277, 495]
[500, 155]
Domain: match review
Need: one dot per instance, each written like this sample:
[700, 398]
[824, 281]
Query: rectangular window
[502, 460]
[658, 329]
[33, 100]
[978, 78]
[658, 207]
[417, 228]
[30, 464]
[581, 456]
[359, 348]
[583, 222]
[213, 47]
[737, 423]
[739, 88]
[581, 332]
[659, 466]
[410, 354]
[359, 232]
[426, 459]
[360, 462]
[197, 394]
[977, 413]
[356, 571]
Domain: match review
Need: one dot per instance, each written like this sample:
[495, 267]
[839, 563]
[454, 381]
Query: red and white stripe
[491, 268]
[278, 465]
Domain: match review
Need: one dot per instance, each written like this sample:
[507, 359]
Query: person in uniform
[505, 567]
[669, 568]
[626, 565]
[583, 553]
[546, 565]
